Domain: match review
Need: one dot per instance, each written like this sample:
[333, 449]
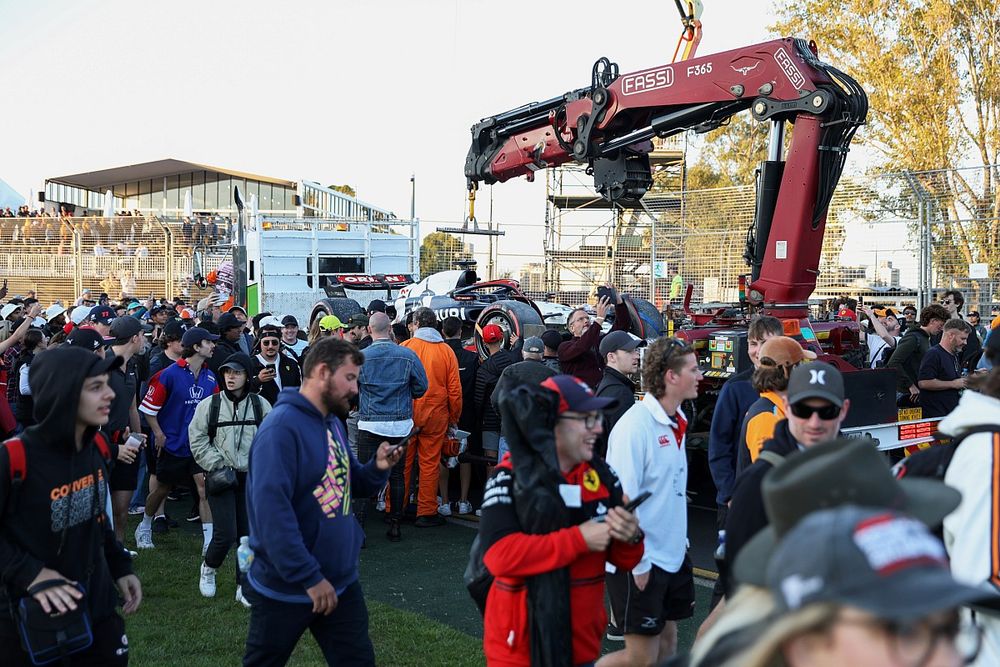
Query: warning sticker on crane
[788, 66]
[781, 250]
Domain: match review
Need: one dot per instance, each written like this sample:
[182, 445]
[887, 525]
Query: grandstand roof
[101, 179]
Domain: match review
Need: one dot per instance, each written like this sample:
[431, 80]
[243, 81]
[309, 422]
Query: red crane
[609, 126]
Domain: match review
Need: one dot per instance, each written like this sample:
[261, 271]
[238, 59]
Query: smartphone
[608, 292]
[271, 367]
[405, 441]
[630, 507]
[638, 500]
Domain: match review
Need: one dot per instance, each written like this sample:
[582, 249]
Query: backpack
[213, 415]
[933, 462]
[18, 462]
[883, 355]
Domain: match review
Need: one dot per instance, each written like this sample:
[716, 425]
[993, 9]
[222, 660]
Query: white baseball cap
[54, 310]
[8, 309]
[80, 313]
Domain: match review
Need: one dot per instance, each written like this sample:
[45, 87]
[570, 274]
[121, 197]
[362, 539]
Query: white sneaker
[444, 509]
[144, 537]
[206, 583]
[464, 507]
[239, 597]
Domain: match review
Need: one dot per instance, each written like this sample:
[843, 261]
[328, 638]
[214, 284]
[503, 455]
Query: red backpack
[19, 463]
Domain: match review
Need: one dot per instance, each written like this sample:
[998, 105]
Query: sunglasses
[270, 342]
[589, 420]
[826, 413]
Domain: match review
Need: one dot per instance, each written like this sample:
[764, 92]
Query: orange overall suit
[433, 412]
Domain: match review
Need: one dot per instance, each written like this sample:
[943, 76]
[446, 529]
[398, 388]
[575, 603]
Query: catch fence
[891, 238]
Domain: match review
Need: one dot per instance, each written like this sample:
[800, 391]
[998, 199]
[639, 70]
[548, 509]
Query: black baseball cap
[238, 361]
[883, 562]
[816, 379]
[357, 320]
[552, 339]
[102, 315]
[124, 328]
[534, 345]
[575, 395]
[229, 321]
[175, 328]
[289, 321]
[376, 306]
[196, 335]
[87, 338]
[619, 340]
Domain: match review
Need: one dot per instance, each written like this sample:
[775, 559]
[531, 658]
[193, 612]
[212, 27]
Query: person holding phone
[580, 355]
[274, 369]
[594, 535]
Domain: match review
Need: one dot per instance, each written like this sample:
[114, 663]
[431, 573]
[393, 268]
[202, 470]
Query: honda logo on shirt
[197, 392]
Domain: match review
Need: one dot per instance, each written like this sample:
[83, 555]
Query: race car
[460, 293]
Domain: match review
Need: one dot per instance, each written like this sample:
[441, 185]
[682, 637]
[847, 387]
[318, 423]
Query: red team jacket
[512, 556]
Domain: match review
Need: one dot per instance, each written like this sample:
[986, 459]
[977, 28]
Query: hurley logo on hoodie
[333, 490]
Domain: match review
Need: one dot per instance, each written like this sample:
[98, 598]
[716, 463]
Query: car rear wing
[337, 284]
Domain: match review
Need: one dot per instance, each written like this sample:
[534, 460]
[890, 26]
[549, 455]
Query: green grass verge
[176, 626]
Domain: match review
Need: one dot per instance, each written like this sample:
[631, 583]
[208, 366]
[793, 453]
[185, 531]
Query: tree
[931, 70]
[439, 252]
[343, 189]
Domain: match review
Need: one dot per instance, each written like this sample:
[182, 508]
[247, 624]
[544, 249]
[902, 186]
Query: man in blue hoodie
[305, 540]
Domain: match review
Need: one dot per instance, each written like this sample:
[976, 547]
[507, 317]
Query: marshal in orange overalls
[433, 412]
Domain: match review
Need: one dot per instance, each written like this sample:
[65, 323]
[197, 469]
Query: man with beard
[305, 539]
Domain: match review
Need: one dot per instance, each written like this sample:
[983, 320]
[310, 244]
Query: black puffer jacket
[486, 380]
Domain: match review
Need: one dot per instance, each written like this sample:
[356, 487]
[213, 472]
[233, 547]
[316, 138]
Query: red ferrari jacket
[512, 556]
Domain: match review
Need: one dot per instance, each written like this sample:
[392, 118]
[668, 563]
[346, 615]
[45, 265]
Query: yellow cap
[330, 323]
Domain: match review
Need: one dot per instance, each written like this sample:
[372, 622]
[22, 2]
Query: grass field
[419, 611]
[176, 626]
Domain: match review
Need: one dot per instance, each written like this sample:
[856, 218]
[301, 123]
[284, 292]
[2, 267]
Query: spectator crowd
[289, 440]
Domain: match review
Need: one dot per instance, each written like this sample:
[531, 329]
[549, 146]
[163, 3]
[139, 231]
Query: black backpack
[213, 415]
[933, 462]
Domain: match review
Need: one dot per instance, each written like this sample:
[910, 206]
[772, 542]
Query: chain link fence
[891, 238]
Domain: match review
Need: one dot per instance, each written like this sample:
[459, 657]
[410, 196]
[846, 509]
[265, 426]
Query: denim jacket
[391, 377]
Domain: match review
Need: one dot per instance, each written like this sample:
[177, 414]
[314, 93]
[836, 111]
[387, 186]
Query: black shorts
[669, 596]
[125, 476]
[175, 470]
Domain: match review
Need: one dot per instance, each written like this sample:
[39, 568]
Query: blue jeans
[275, 629]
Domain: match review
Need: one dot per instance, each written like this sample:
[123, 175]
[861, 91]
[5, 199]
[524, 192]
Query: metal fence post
[77, 252]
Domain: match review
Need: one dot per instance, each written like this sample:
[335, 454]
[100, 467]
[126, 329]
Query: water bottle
[720, 550]
[244, 554]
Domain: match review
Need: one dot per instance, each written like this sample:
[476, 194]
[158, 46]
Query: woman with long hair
[778, 356]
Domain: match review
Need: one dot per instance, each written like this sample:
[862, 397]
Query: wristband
[638, 537]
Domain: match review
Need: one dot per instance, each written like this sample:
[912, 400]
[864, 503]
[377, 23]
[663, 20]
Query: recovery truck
[608, 127]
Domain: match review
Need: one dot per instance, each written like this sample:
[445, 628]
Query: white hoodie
[972, 532]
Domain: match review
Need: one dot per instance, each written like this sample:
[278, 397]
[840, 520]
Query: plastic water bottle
[720, 549]
[244, 554]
